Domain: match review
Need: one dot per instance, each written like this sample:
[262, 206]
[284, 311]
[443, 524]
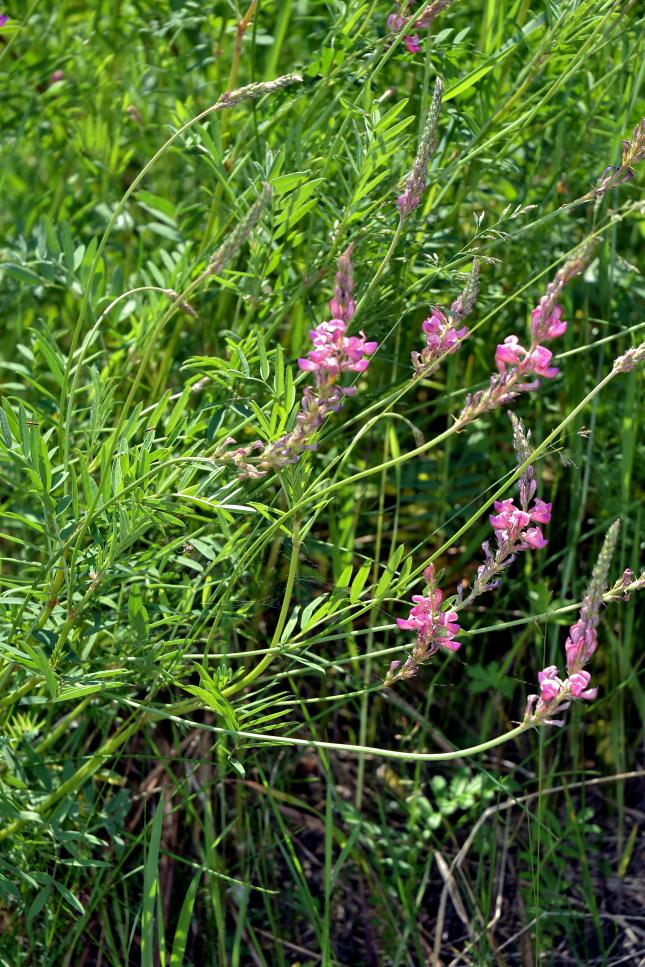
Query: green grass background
[128, 558]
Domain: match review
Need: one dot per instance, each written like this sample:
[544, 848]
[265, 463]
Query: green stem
[249, 678]
[382, 267]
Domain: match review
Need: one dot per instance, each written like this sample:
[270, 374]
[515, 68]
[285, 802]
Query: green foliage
[167, 628]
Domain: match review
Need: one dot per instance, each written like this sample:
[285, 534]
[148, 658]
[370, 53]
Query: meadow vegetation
[309, 652]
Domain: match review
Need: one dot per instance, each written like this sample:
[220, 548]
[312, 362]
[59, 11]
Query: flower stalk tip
[416, 181]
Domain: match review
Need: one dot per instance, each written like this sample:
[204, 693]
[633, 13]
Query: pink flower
[335, 353]
[578, 686]
[509, 519]
[534, 538]
[510, 353]
[581, 643]
[435, 629]
[537, 361]
[412, 43]
[442, 339]
[547, 326]
[550, 684]
[540, 512]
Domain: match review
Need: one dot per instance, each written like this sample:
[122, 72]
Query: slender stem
[350, 749]
[251, 676]
[381, 269]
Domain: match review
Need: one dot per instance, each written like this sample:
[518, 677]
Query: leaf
[183, 923]
[359, 581]
[151, 888]
[137, 614]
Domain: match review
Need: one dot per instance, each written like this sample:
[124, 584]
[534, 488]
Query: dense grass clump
[308, 653]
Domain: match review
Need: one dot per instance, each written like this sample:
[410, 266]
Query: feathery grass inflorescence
[416, 181]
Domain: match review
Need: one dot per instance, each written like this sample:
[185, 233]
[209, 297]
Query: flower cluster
[515, 530]
[440, 329]
[435, 628]
[557, 692]
[397, 21]
[442, 339]
[342, 304]
[515, 527]
[519, 370]
[333, 353]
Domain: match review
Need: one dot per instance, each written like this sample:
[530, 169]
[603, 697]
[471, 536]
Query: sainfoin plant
[308, 477]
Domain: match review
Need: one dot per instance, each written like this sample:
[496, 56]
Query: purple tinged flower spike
[416, 182]
[442, 336]
[556, 693]
[513, 526]
[520, 370]
[342, 305]
[333, 353]
[435, 627]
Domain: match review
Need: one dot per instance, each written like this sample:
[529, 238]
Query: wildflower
[519, 370]
[333, 353]
[435, 628]
[625, 584]
[342, 305]
[512, 524]
[442, 336]
[396, 21]
[556, 693]
[416, 181]
[4, 19]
